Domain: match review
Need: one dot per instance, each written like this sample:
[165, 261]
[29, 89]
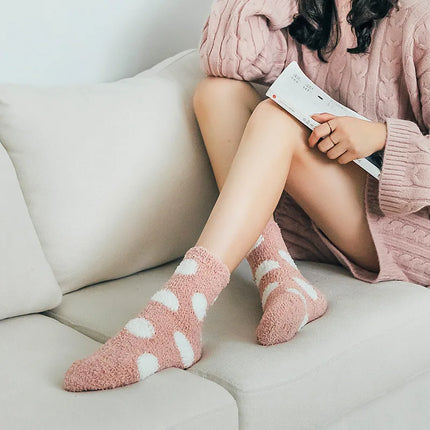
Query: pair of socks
[167, 332]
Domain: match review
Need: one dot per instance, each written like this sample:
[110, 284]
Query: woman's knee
[270, 115]
[214, 90]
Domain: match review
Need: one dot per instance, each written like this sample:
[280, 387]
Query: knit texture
[166, 333]
[248, 40]
[288, 299]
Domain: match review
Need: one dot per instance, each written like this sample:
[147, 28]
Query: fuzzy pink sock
[166, 333]
[289, 301]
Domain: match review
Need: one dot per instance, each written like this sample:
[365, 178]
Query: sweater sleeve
[404, 185]
[247, 39]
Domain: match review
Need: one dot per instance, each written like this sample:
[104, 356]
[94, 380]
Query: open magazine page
[298, 95]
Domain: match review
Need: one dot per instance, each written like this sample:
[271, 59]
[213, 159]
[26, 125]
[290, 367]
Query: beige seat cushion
[371, 341]
[36, 351]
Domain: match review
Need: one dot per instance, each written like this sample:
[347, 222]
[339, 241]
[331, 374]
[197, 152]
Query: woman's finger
[337, 150]
[346, 157]
[323, 117]
[328, 142]
[325, 144]
[321, 131]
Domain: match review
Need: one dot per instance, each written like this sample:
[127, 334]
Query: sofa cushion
[372, 340]
[36, 351]
[111, 172]
[27, 283]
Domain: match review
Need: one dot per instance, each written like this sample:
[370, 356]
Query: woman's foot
[166, 333]
[289, 301]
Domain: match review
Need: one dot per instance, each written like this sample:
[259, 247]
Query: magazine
[298, 95]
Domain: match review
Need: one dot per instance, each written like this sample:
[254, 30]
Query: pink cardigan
[247, 40]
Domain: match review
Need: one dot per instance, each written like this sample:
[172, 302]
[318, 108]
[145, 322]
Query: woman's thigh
[332, 195]
[223, 107]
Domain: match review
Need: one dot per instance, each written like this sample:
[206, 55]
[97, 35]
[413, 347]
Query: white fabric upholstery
[115, 175]
[399, 408]
[27, 283]
[371, 341]
[36, 351]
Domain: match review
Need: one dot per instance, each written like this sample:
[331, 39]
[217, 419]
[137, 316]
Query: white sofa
[89, 232]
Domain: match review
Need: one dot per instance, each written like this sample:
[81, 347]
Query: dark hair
[317, 23]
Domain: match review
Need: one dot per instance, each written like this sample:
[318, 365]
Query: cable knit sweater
[248, 40]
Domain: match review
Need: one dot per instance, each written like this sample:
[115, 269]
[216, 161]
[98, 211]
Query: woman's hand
[351, 138]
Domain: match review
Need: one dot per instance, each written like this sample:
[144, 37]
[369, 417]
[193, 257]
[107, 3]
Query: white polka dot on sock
[265, 267]
[200, 305]
[187, 266]
[140, 327]
[259, 241]
[185, 349]
[272, 286]
[147, 365]
[167, 298]
[297, 292]
[287, 257]
[307, 287]
[304, 322]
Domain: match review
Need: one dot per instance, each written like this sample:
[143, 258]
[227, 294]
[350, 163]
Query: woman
[371, 56]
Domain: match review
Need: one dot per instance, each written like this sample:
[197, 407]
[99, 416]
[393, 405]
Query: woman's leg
[330, 193]
[167, 332]
[222, 107]
[289, 300]
[253, 185]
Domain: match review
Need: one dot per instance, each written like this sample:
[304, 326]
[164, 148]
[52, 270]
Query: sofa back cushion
[27, 283]
[115, 175]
